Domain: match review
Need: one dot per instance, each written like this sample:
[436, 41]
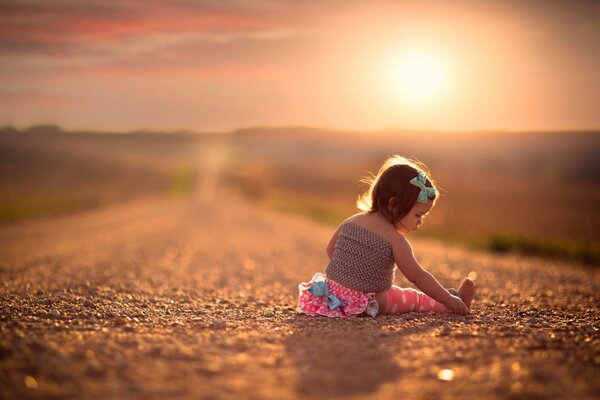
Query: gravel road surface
[194, 298]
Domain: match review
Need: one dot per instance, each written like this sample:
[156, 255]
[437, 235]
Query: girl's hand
[456, 305]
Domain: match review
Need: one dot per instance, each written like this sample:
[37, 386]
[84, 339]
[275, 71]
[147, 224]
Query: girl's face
[414, 218]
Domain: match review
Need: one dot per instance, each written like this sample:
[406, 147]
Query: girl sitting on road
[367, 246]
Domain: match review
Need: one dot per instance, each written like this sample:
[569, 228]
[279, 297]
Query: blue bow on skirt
[322, 289]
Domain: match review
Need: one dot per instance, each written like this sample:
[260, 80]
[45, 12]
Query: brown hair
[390, 191]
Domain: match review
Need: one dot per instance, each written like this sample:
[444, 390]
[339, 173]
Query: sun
[417, 77]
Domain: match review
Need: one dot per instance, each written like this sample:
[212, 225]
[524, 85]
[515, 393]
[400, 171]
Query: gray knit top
[361, 260]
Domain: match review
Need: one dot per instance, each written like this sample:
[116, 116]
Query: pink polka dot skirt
[355, 301]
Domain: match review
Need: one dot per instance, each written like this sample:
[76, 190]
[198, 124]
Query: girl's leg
[397, 300]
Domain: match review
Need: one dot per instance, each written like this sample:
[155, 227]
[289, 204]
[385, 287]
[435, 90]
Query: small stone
[120, 321]
[5, 350]
[94, 368]
[30, 382]
[210, 368]
[589, 329]
[445, 375]
[445, 330]
[533, 321]
[155, 351]
[219, 324]
[269, 314]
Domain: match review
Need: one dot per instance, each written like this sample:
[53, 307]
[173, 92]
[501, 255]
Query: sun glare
[418, 77]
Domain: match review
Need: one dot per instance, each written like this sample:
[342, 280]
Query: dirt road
[194, 299]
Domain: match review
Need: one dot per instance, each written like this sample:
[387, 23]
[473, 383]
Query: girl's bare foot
[466, 291]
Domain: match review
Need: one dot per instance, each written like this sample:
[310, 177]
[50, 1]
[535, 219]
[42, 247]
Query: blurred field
[151, 296]
[45, 171]
[534, 193]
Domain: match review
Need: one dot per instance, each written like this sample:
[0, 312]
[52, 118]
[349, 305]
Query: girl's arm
[331, 244]
[422, 279]
[334, 237]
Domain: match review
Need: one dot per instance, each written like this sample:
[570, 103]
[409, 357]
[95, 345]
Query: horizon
[392, 131]
[225, 66]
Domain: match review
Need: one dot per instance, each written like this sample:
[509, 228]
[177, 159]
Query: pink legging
[399, 300]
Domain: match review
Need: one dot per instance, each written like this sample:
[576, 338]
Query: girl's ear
[392, 204]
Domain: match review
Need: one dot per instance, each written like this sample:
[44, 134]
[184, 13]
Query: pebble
[445, 330]
[30, 382]
[5, 350]
[589, 329]
[120, 321]
[94, 368]
[219, 324]
[445, 375]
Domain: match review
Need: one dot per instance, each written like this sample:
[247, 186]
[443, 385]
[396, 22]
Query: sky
[212, 66]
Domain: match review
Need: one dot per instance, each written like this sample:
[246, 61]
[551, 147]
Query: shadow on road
[337, 357]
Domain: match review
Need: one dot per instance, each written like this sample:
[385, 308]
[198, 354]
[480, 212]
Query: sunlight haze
[223, 65]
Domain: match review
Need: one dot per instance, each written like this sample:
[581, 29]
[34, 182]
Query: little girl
[367, 246]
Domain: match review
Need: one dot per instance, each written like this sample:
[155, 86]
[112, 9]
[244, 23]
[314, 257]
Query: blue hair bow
[321, 289]
[419, 181]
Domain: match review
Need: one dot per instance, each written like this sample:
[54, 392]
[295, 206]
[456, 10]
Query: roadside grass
[332, 215]
[572, 250]
[30, 208]
[182, 181]
[314, 210]
[179, 183]
[46, 171]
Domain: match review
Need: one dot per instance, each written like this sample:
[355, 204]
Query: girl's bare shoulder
[376, 224]
[365, 220]
[356, 217]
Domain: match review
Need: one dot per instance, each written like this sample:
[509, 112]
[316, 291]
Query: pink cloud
[43, 25]
[38, 98]
[109, 38]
